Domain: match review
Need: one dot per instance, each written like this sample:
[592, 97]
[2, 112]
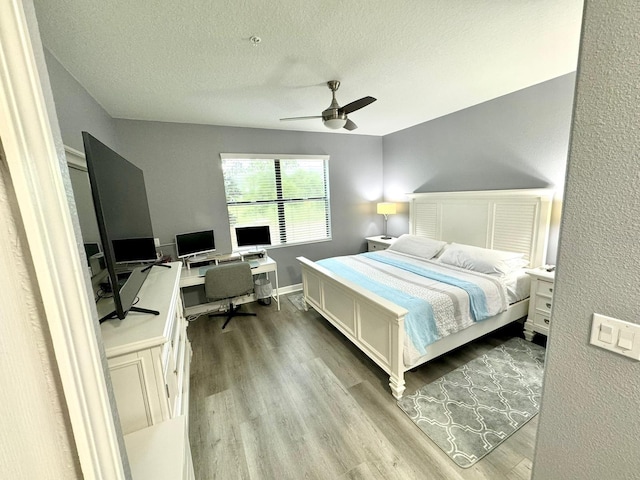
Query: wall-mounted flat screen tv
[195, 243]
[253, 236]
[122, 211]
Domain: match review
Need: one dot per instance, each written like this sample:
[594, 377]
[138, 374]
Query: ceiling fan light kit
[335, 116]
[334, 123]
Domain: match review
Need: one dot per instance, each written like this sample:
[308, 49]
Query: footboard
[374, 324]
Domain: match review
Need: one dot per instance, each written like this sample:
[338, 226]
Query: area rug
[298, 300]
[473, 409]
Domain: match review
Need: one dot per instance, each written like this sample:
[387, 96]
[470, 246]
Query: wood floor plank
[284, 395]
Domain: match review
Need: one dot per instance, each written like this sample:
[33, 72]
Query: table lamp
[386, 208]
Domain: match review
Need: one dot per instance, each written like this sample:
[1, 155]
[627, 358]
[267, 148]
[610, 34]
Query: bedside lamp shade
[386, 208]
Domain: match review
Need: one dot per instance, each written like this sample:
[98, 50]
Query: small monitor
[134, 250]
[91, 249]
[195, 243]
[253, 236]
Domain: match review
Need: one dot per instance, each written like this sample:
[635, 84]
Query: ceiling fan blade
[350, 125]
[299, 118]
[357, 105]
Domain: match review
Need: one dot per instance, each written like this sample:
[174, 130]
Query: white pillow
[417, 246]
[483, 260]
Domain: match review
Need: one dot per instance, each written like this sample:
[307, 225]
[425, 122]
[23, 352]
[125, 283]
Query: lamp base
[385, 237]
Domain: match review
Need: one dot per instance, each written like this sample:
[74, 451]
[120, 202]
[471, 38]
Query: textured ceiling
[192, 61]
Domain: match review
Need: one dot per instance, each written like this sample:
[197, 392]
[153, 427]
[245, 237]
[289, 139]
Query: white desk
[191, 277]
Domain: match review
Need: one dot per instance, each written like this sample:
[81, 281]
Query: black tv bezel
[139, 275]
[196, 253]
[253, 227]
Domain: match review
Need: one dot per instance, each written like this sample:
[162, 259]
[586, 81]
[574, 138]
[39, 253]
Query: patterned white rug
[473, 409]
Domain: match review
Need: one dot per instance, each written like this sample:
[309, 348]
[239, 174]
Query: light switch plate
[617, 326]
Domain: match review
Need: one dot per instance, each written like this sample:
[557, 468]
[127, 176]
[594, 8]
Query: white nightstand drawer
[379, 243]
[542, 320]
[544, 288]
[544, 303]
[540, 302]
[371, 246]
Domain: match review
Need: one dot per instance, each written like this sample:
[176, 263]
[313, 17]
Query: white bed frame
[513, 220]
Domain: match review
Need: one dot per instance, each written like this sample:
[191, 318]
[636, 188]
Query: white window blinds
[288, 193]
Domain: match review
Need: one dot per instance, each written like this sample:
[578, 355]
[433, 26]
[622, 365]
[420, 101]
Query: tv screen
[253, 236]
[134, 250]
[195, 243]
[122, 211]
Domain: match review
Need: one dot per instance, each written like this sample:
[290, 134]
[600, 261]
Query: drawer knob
[550, 289]
[548, 305]
[546, 320]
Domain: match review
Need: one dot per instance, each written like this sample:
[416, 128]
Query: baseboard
[290, 289]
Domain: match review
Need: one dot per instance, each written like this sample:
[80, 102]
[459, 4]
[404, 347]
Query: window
[287, 192]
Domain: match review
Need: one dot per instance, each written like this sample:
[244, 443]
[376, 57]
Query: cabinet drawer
[542, 320]
[373, 246]
[544, 303]
[544, 288]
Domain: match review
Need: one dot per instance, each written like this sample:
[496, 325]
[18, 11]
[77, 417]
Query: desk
[191, 277]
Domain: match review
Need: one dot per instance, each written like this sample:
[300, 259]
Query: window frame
[279, 202]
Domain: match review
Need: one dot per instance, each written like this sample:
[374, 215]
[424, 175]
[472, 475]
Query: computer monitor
[195, 243]
[254, 236]
[134, 250]
[90, 249]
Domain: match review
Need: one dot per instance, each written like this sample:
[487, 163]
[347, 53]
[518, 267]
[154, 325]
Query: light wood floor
[285, 396]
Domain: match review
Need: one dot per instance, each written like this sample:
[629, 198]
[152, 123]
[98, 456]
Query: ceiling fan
[335, 116]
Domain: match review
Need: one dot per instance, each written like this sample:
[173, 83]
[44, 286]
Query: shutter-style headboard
[513, 220]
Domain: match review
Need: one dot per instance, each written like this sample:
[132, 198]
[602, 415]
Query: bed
[505, 220]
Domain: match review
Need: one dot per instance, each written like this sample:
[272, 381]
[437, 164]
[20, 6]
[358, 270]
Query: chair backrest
[228, 280]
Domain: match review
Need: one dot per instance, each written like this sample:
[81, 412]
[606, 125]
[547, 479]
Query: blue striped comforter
[440, 299]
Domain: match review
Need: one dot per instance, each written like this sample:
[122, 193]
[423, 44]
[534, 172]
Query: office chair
[225, 282]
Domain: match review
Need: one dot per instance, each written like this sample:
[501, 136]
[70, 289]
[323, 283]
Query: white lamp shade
[386, 208]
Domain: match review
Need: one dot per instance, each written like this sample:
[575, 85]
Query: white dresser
[540, 303]
[149, 356]
[379, 243]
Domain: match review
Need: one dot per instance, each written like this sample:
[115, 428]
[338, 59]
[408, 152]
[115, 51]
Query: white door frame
[34, 167]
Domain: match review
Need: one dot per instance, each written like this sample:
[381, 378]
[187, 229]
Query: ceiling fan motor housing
[332, 117]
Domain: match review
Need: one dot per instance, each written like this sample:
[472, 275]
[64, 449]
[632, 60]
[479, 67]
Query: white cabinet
[171, 455]
[540, 303]
[149, 356]
[379, 243]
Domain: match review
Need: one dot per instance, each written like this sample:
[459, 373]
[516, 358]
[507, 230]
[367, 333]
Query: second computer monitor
[255, 236]
[195, 243]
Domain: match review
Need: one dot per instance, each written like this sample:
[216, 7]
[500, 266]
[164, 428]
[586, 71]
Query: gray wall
[183, 175]
[77, 110]
[519, 140]
[516, 141]
[589, 421]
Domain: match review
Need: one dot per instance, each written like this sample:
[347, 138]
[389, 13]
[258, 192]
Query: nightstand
[540, 302]
[379, 243]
